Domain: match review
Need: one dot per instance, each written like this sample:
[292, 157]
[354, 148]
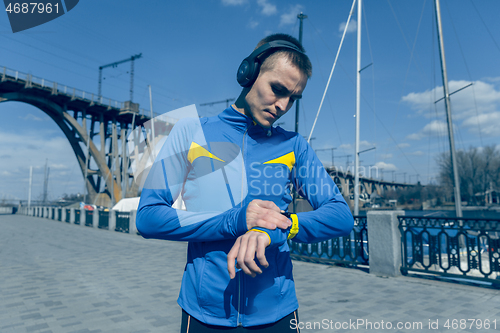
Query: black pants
[192, 325]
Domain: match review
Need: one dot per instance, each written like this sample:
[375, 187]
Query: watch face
[286, 214]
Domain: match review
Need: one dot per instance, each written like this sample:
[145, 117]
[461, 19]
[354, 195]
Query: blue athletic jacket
[219, 165]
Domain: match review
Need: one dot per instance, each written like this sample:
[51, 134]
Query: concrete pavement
[57, 277]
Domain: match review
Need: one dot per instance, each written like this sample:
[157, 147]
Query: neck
[240, 104]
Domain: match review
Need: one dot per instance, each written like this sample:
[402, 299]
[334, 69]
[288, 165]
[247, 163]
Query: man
[234, 173]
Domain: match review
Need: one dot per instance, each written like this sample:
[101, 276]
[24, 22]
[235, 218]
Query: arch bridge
[101, 123]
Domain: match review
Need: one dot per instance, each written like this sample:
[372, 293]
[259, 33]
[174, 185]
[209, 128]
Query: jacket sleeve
[331, 216]
[156, 218]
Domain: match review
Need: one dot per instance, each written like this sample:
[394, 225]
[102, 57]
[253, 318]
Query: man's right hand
[265, 214]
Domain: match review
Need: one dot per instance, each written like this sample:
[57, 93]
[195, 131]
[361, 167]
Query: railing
[89, 218]
[122, 221]
[453, 247]
[54, 88]
[103, 219]
[349, 250]
[77, 216]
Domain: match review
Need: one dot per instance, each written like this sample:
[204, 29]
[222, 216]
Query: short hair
[299, 60]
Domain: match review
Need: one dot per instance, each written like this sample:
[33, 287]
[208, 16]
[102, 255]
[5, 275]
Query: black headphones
[249, 68]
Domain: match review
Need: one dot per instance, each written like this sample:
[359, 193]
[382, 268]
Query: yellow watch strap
[295, 226]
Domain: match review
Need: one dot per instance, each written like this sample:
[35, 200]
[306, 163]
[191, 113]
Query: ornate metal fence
[453, 247]
[350, 250]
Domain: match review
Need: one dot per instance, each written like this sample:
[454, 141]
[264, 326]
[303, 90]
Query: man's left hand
[246, 248]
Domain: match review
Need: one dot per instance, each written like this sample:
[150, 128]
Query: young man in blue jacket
[234, 173]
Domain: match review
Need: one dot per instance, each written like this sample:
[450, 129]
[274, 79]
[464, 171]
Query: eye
[277, 91]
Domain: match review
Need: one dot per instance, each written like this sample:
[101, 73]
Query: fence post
[112, 220]
[83, 217]
[132, 228]
[95, 218]
[63, 214]
[384, 242]
[72, 216]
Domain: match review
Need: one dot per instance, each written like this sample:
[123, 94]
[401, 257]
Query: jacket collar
[242, 122]
[236, 119]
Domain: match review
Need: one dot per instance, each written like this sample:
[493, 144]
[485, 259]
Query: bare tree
[478, 171]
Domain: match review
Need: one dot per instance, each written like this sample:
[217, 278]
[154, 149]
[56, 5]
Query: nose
[283, 104]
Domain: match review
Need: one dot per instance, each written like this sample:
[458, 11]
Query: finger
[280, 220]
[241, 254]
[266, 223]
[231, 257]
[272, 220]
[269, 205]
[250, 254]
[261, 251]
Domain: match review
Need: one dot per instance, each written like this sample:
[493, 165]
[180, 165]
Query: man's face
[274, 92]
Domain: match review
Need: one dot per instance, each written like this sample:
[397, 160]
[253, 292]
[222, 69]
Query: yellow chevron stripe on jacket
[196, 151]
[288, 160]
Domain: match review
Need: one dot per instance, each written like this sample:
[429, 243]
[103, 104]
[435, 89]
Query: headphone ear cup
[243, 71]
[247, 72]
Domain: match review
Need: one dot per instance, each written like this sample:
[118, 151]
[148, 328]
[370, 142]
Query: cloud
[362, 145]
[404, 145]
[417, 153]
[268, 9]
[291, 16]
[434, 128]
[47, 146]
[492, 79]
[385, 156]
[385, 166]
[30, 116]
[59, 167]
[253, 24]
[488, 124]
[353, 26]
[480, 98]
[233, 2]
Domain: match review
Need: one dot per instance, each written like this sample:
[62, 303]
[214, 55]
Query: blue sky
[191, 51]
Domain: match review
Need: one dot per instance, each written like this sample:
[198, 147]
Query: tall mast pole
[456, 183]
[29, 188]
[301, 17]
[152, 124]
[132, 79]
[358, 105]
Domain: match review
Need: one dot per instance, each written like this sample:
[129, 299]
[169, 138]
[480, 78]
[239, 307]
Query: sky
[190, 53]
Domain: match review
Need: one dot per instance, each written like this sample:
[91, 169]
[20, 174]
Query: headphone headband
[250, 66]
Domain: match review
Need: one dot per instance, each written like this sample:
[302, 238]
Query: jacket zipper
[241, 205]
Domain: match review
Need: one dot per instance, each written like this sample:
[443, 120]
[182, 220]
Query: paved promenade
[56, 277]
